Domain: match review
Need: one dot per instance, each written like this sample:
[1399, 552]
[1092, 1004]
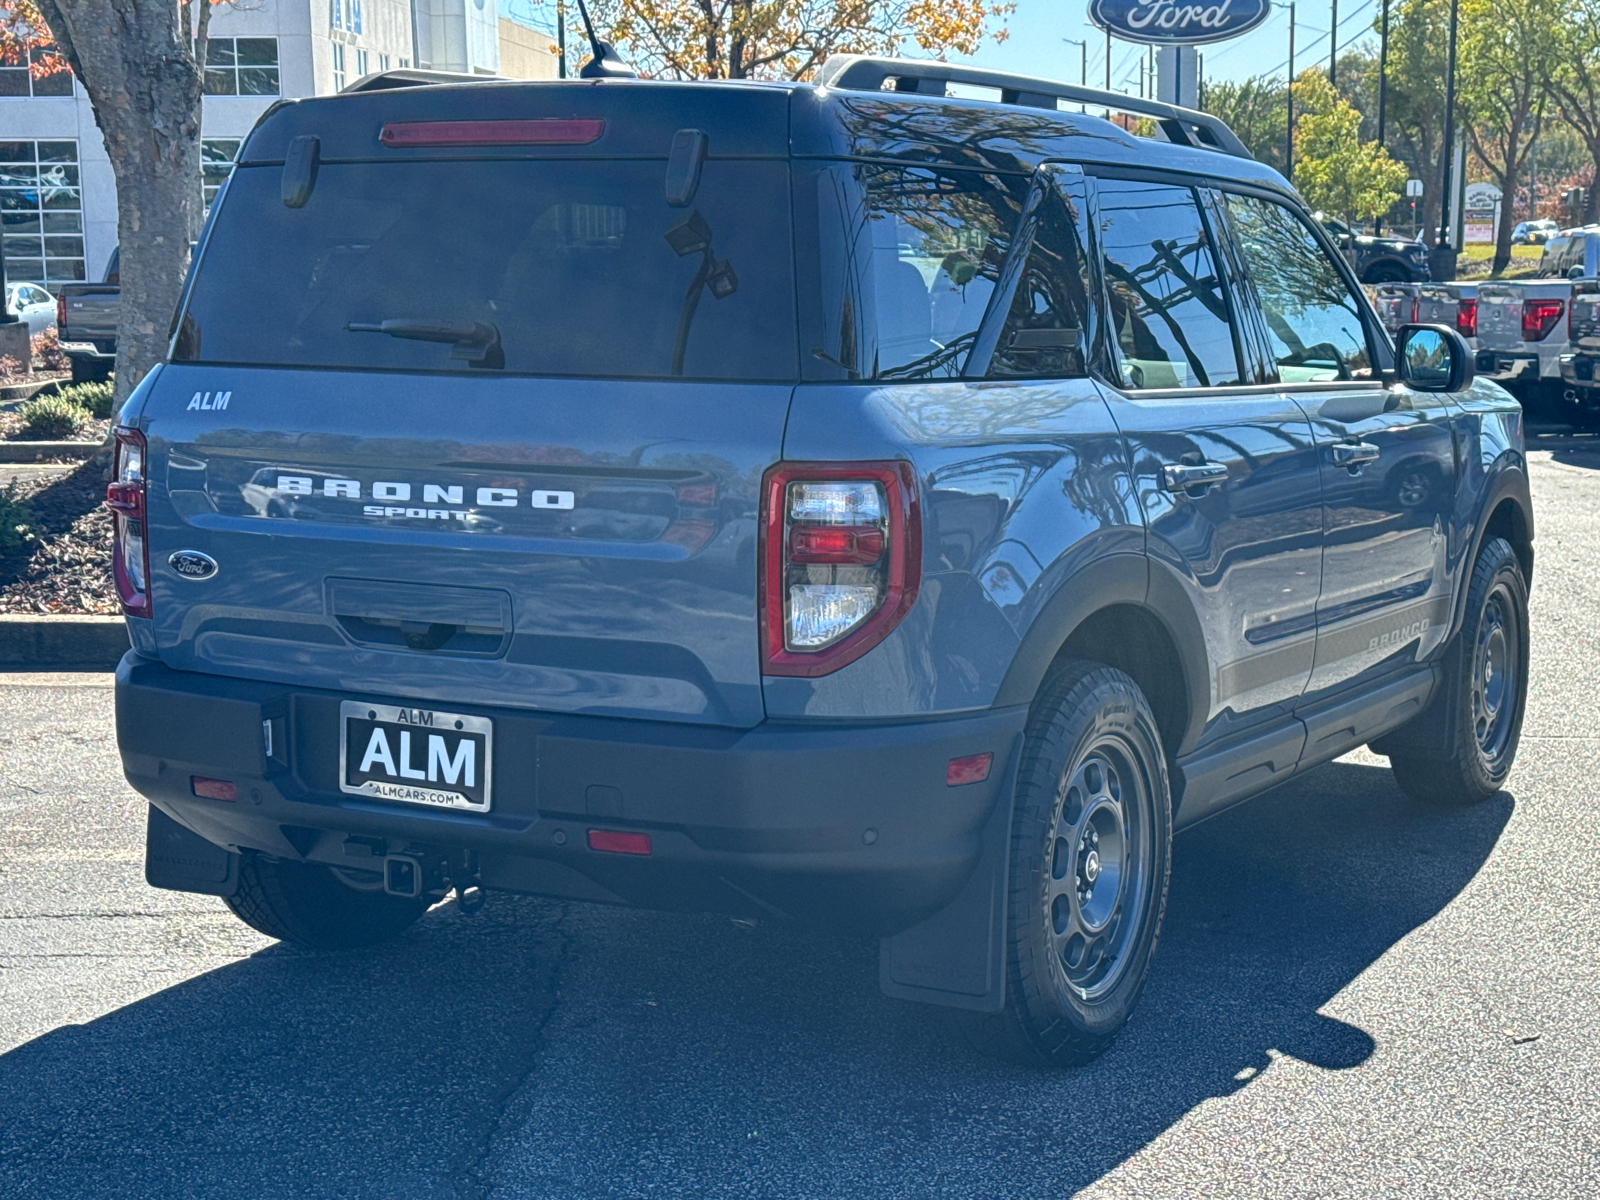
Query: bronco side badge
[192, 564]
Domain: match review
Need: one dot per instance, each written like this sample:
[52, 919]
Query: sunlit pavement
[1352, 997]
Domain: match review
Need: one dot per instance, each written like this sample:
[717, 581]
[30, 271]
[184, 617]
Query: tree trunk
[1502, 233]
[133, 58]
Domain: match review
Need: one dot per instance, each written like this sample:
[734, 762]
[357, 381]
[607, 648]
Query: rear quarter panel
[1024, 488]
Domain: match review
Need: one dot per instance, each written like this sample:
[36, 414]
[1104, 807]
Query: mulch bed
[65, 566]
[11, 430]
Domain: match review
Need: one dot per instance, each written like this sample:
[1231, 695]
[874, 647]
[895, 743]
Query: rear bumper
[87, 350]
[845, 827]
[1518, 366]
[1581, 371]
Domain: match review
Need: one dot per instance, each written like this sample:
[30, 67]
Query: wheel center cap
[1091, 867]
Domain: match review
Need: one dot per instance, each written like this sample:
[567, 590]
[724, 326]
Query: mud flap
[957, 957]
[181, 861]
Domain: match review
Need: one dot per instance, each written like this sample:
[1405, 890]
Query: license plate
[415, 755]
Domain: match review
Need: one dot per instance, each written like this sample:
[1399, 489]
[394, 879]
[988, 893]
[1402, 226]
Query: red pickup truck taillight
[1539, 317]
[841, 561]
[61, 314]
[125, 497]
[1467, 318]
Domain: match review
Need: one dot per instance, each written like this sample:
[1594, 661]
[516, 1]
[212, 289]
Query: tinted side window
[906, 260]
[1314, 326]
[1043, 334]
[1165, 303]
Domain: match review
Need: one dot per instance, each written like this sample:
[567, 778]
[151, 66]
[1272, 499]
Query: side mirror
[1433, 358]
[1574, 272]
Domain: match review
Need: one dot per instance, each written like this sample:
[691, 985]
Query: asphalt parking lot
[1353, 997]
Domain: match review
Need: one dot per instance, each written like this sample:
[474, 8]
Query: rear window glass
[570, 267]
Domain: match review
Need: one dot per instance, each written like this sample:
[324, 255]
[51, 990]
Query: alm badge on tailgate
[415, 755]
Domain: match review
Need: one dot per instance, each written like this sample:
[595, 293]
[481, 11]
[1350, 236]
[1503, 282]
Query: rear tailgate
[473, 408]
[567, 545]
[91, 312]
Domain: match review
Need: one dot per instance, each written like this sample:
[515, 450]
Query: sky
[1035, 46]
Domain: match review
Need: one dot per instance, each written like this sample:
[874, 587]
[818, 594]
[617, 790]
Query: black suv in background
[841, 504]
[1379, 259]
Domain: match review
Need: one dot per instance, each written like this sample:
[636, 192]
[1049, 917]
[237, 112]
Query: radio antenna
[606, 63]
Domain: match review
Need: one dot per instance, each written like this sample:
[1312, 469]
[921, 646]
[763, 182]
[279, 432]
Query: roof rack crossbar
[409, 77]
[1183, 126]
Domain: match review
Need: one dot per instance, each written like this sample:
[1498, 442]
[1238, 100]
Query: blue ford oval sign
[1175, 23]
[192, 564]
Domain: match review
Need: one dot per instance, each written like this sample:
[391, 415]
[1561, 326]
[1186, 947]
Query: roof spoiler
[1182, 126]
[410, 77]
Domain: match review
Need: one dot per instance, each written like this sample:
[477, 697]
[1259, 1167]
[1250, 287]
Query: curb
[13, 392]
[14, 451]
[27, 640]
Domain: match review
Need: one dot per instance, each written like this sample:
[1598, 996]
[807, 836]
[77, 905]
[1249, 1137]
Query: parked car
[1454, 304]
[1063, 532]
[30, 302]
[1533, 233]
[1379, 259]
[86, 320]
[1522, 324]
[1396, 304]
[1580, 366]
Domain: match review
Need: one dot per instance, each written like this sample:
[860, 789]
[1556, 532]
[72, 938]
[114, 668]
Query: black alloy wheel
[1091, 851]
[1461, 750]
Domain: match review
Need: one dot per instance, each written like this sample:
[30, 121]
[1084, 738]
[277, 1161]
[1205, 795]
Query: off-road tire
[310, 906]
[1463, 747]
[1086, 715]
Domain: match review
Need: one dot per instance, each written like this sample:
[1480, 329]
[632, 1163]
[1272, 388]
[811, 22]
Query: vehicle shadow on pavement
[542, 1049]
[1568, 444]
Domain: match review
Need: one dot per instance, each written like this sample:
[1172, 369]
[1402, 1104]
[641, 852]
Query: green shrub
[93, 398]
[52, 418]
[15, 518]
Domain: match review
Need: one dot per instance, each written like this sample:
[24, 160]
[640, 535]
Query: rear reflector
[545, 131]
[974, 768]
[213, 789]
[612, 841]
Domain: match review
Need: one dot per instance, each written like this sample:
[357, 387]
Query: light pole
[1083, 45]
[1383, 91]
[1288, 94]
[1445, 219]
[1333, 47]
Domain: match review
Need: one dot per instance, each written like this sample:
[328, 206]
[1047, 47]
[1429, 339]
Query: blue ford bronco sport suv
[844, 504]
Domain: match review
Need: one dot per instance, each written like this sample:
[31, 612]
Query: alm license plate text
[415, 755]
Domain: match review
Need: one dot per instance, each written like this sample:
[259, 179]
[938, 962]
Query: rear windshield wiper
[476, 343]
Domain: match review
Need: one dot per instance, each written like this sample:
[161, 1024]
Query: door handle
[1180, 477]
[1354, 455]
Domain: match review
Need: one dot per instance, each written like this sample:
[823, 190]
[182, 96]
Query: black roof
[743, 119]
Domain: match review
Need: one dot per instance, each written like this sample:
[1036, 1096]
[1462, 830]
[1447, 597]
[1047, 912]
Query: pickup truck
[1580, 369]
[86, 323]
[1378, 259]
[1522, 326]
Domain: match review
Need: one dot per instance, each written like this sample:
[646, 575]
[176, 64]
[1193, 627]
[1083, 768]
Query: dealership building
[58, 198]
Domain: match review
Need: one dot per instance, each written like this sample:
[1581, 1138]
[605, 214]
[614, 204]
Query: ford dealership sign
[1175, 23]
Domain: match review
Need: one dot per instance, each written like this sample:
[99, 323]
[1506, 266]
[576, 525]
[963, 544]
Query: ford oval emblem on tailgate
[192, 564]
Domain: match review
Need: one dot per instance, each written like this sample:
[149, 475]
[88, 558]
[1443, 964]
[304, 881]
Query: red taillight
[1467, 318]
[974, 768]
[125, 497]
[1539, 317]
[614, 841]
[841, 561]
[835, 544]
[544, 131]
[61, 314]
[1415, 304]
[213, 789]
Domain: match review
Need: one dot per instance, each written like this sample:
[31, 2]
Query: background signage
[1176, 22]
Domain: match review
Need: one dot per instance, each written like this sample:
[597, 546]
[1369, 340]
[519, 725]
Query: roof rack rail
[1183, 126]
[409, 77]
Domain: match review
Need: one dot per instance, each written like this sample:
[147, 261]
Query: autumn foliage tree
[140, 62]
[785, 39]
[1334, 169]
